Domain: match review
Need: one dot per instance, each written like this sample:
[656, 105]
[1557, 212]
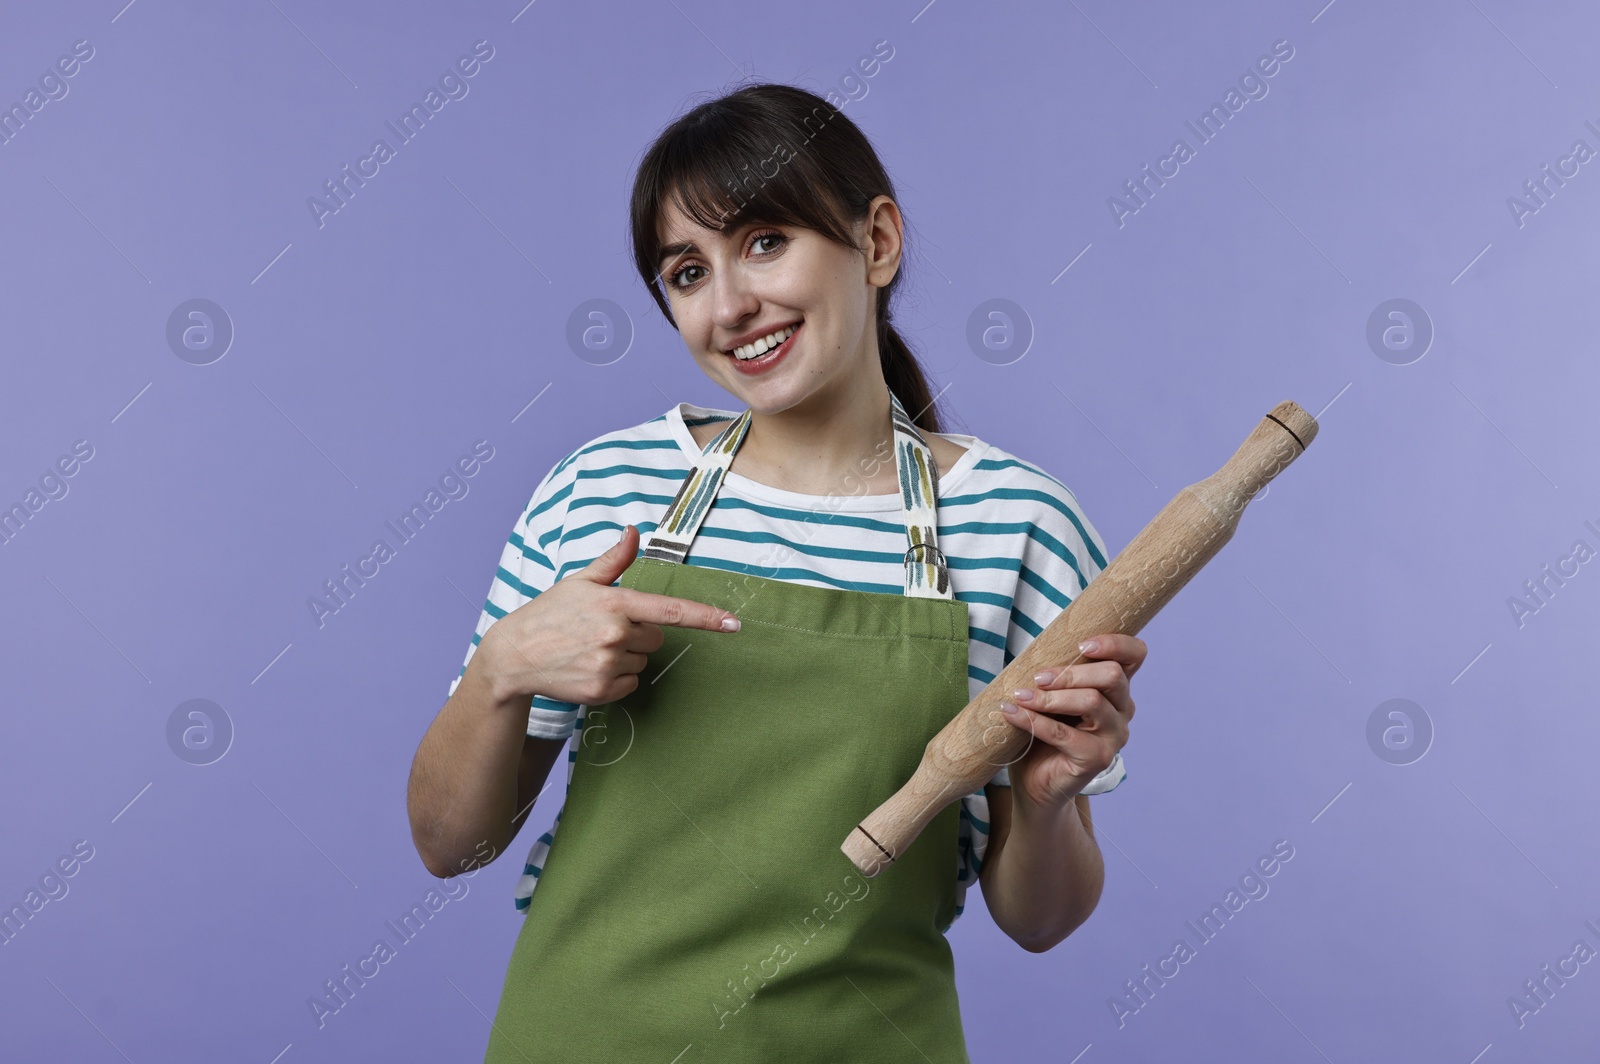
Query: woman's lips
[763, 362]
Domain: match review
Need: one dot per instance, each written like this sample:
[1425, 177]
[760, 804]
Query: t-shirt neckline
[743, 485]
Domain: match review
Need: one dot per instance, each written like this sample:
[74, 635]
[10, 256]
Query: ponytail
[903, 375]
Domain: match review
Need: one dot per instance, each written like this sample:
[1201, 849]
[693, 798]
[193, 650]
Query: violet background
[432, 309]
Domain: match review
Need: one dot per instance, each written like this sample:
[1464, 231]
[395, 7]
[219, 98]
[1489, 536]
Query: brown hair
[718, 162]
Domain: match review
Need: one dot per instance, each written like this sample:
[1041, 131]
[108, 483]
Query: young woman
[801, 595]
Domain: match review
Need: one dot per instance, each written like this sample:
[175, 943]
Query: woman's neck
[843, 447]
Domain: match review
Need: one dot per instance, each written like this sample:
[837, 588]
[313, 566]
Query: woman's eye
[757, 242]
[677, 278]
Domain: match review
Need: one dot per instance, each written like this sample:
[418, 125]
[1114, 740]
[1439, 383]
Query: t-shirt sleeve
[528, 565]
[1063, 553]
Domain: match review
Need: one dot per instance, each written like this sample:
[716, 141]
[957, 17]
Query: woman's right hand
[584, 641]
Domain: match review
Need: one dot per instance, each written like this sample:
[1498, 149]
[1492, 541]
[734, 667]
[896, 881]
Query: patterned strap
[671, 538]
[927, 575]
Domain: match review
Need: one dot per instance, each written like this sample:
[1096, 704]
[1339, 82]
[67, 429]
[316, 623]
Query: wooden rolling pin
[1162, 558]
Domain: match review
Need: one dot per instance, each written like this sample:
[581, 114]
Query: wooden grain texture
[1162, 558]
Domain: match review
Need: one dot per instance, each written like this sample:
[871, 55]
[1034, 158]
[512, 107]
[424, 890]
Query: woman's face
[726, 288]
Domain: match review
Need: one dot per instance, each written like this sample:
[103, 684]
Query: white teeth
[765, 344]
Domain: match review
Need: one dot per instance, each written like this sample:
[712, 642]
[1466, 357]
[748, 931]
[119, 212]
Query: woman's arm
[476, 773]
[582, 641]
[1043, 872]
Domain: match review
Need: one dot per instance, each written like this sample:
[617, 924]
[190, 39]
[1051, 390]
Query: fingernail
[1042, 678]
[1022, 695]
[1089, 646]
[730, 624]
[1010, 710]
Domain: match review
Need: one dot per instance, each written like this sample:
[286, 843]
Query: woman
[822, 582]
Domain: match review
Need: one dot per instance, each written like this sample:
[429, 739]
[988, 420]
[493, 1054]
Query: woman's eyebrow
[672, 251]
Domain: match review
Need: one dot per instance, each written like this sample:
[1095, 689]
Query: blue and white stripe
[1018, 545]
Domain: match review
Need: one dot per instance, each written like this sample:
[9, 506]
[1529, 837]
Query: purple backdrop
[228, 464]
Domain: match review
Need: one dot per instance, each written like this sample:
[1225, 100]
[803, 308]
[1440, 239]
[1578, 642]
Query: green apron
[695, 905]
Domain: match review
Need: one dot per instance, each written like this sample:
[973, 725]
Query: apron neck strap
[926, 572]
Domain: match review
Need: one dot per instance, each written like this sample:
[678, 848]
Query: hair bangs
[731, 169]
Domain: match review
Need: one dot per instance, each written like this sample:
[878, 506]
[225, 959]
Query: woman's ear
[883, 240]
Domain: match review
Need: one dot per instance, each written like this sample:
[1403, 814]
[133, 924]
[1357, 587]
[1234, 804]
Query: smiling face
[744, 288]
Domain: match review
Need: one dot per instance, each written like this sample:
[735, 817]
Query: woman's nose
[732, 299]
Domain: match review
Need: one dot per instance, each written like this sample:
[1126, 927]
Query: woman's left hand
[1093, 695]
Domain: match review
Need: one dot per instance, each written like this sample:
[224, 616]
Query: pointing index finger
[679, 612]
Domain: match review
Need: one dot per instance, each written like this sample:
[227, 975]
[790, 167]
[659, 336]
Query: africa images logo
[453, 85]
[1253, 85]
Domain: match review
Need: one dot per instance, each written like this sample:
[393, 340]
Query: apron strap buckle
[938, 580]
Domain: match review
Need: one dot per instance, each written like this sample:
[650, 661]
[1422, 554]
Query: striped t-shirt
[1018, 546]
